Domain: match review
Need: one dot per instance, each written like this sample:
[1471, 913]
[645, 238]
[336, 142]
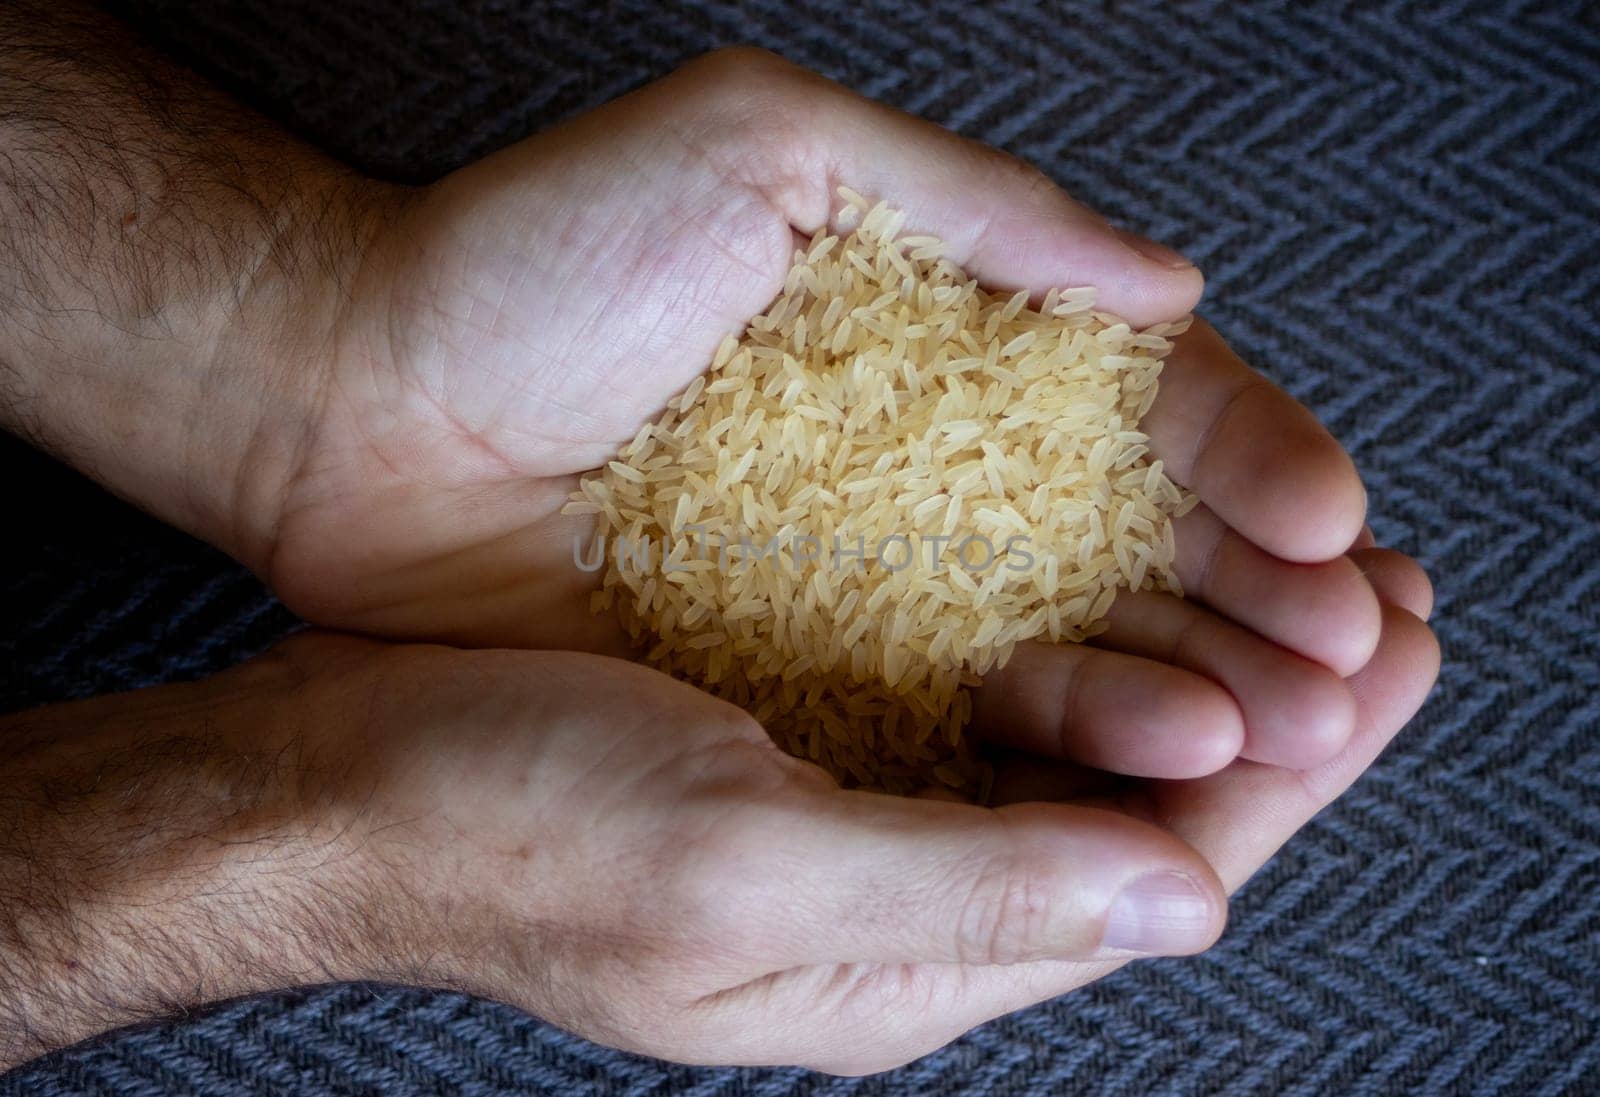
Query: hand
[378, 398]
[583, 837]
[376, 442]
[514, 324]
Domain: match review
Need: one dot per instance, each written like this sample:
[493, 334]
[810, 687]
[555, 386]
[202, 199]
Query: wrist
[170, 271]
[268, 362]
[194, 398]
[169, 848]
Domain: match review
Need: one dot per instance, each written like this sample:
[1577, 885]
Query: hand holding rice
[888, 482]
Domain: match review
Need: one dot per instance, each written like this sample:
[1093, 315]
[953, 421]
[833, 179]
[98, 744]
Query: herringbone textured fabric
[1397, 206]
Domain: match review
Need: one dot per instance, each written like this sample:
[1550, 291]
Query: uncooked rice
[791, 503]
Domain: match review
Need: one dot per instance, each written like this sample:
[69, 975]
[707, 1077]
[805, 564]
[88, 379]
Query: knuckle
[1034, 184]
[1026, 186]
[1003, 916]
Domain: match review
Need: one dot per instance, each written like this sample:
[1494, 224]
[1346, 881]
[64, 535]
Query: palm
[734, 904]
[524, 349]
[516, 323]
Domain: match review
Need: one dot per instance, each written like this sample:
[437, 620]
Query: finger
[1240, 816]
[1254, 454]
[1364, 539]
[1326, 612]
[1003, 221]
[888, 879]
[1296, 713]
[1397, 579]
[1237, 818]
[1108, 710]
[1020, 776]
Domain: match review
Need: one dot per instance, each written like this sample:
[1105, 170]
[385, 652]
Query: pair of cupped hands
[489, 798]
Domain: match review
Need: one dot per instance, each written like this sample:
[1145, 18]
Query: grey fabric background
[1396, 205]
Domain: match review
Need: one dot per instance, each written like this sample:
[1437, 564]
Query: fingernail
[1156, 253]
[1162, 914]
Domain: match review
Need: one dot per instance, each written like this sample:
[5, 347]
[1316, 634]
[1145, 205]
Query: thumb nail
[1160, 914]
[1156, 253]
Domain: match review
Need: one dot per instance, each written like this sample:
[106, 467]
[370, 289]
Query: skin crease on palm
[625, 855]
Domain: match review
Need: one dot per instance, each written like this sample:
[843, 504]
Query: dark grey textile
[1397, 207]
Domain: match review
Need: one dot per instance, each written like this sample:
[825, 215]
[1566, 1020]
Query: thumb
[874, 878]
[795, 136]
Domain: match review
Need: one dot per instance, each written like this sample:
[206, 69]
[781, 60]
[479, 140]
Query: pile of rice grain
[792, 504]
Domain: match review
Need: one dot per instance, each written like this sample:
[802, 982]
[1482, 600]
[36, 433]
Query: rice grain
[884, 410]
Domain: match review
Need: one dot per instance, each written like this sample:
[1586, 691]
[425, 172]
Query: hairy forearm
[165, 849]
[169, 266]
